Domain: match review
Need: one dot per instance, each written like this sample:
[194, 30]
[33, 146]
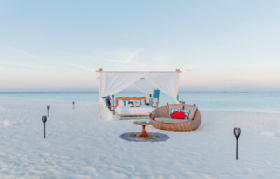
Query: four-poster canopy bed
[112, 82]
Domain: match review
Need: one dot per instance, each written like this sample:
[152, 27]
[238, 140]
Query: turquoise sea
[208, 101]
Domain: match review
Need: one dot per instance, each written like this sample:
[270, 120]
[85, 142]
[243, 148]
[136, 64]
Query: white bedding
[134, 110]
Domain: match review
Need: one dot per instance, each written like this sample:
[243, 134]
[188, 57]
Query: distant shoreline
[178, 92]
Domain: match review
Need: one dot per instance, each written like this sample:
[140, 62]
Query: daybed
[126, 111]
[160, 117]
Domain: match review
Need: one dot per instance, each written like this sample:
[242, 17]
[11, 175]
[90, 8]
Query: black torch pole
[44, 119]
[44, 130]
[236, 149]
[237, 132]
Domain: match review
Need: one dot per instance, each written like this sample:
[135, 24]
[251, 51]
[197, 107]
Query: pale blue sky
[219, 45]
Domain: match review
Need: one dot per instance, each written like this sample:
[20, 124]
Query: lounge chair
[160, 117]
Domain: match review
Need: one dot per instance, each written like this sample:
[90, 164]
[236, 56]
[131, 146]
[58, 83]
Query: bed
[126, 111]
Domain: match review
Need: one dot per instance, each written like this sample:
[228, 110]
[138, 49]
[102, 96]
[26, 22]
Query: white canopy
[112, 82]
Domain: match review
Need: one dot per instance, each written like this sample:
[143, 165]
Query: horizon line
[136, 92]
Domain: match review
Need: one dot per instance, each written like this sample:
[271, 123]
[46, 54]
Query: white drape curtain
[114, 82]
[144, 86]
[166, 82]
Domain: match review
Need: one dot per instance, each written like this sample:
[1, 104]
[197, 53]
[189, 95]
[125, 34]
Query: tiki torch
[44, 119]
[48, 107]
[237, 132]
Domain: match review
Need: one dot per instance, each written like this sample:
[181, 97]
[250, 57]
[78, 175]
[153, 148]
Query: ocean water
[268, 102]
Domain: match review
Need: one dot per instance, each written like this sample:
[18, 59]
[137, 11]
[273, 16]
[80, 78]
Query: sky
[56, 46]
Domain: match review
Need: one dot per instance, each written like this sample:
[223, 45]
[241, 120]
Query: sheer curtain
[112, 83]
[167, 82]
[144, 86]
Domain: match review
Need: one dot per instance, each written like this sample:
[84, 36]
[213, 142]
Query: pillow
[121, 102]
[130, 103]
[136, 103]
[192, 111]
[178, 115]
[142, 102]
[176, 106]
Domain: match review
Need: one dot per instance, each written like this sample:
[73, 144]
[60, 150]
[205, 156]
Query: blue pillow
[130, 102]
[187, 112]
[124, 103]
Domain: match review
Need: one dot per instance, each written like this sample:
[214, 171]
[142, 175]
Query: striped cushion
[187, 112]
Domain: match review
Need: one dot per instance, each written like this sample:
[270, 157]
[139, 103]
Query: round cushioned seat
[161, 120]
[168, 120]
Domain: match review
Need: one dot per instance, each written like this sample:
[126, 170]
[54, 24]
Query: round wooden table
[143, 133]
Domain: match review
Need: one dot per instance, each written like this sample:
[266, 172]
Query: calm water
[211, 101]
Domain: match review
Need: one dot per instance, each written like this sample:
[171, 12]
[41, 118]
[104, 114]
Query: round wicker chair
[186, 126]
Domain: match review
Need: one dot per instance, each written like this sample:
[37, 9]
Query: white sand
[78, 145]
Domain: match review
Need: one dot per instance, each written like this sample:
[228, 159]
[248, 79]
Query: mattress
[142, 110]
